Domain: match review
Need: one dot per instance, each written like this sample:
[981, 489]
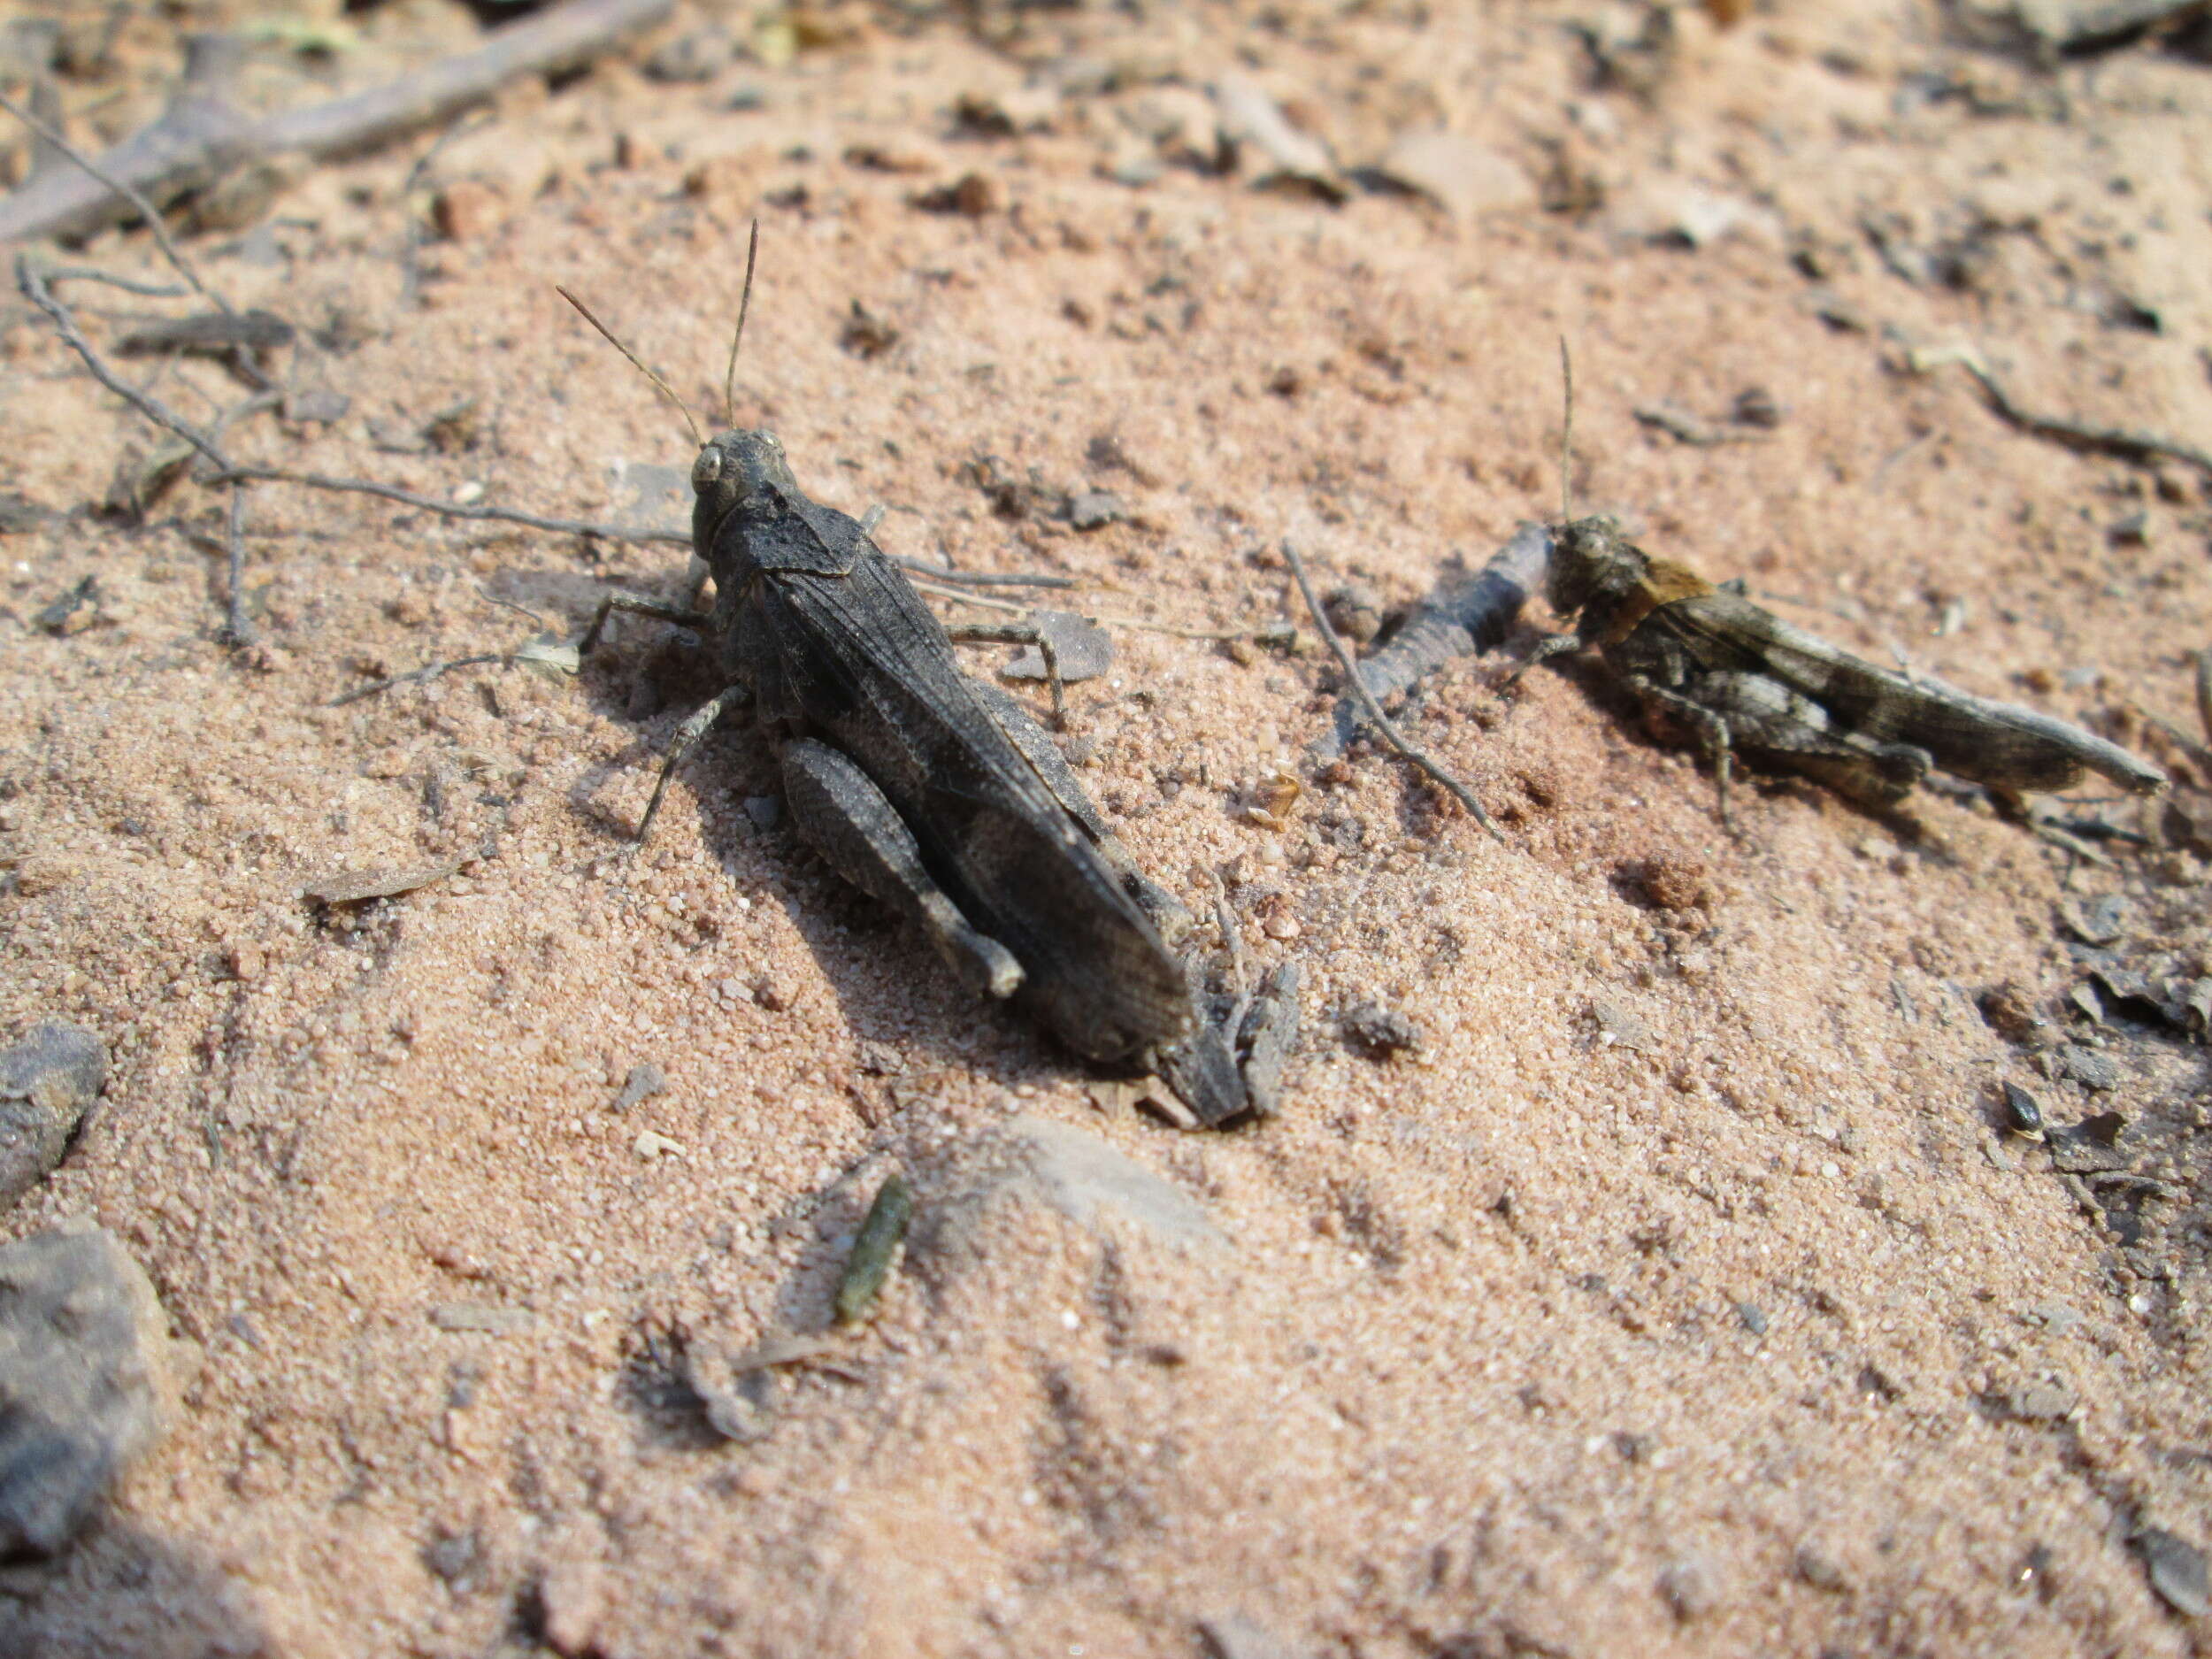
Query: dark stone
[81, 1358]
[48, 1082]
[1380, 1032]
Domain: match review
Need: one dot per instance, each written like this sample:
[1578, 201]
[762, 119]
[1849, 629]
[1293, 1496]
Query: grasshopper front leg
[686, 738]
[1550, 646]
[1711, 727]
[639, 606]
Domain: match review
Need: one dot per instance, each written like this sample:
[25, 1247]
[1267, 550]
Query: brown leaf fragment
[1618, 1027]
[357, 886]
[1464, 178]
[973, 195]
[1247, 116]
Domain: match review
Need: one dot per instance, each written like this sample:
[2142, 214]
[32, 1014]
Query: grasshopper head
[742, 473]
[1591, 559]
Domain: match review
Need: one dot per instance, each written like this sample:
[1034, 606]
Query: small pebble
[1688, 1588]
[1380, 1032]
[2088, 1068]
[1094, 508]
[2176, 1571]
[454, 1556]
[48, 1082]
[84, 1366]
[645, 1080]
[1818, 1570]
[688, 59]
[2041, 1401]
[573, 1599]
[467, 211]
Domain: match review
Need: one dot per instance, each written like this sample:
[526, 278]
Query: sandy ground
[1680, 1292]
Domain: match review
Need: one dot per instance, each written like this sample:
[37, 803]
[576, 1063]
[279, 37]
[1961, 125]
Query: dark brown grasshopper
[1740, 679]
[937, 793]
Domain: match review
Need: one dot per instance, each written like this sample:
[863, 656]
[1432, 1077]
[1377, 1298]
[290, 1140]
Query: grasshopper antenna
[636, 363]
[1566, 434]
[744, 304]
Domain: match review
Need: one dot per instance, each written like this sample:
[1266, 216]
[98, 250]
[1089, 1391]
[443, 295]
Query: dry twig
[54, 136]
[1463, 616]
[456, 510]
[1383, 724]
[979, 578]
[2126, 442]
[202, 139]
[34, 284]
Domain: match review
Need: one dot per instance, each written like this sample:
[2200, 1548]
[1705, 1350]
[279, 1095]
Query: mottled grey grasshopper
[936, 792]
[1742, 680]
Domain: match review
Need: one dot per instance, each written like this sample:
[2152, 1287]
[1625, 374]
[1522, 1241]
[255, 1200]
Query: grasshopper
[1706, 658]
[936, 792]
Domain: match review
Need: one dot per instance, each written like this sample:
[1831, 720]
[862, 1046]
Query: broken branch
[2126, 442]
[1462, 616]
[1383, 724]
[199, 140]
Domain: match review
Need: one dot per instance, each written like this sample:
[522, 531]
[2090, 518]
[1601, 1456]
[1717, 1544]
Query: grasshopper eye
[706, 469]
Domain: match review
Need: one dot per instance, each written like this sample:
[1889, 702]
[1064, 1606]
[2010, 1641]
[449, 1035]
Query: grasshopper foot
[1233, 1069]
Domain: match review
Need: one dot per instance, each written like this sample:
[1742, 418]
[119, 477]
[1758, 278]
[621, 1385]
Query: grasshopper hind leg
[846, 818]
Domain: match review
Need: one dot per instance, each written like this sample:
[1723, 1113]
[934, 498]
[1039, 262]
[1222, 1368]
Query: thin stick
[636, 363]
[213, 139]
[454, 509]
[1233, 937]
[1099, 618]
[34, 288]
[979, 601]
[1383, 722]
[2128, 444]
[981, 579]
[129, 192]
[236, 630]
[1566, 433]
[427, 671]
[744, 304]
[2204, 691]
[129, 285]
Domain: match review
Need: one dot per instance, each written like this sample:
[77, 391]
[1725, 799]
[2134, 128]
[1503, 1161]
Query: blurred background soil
[1642, 1262]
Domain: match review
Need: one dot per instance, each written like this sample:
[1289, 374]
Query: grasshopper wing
[858, 657]
[2000, 744]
